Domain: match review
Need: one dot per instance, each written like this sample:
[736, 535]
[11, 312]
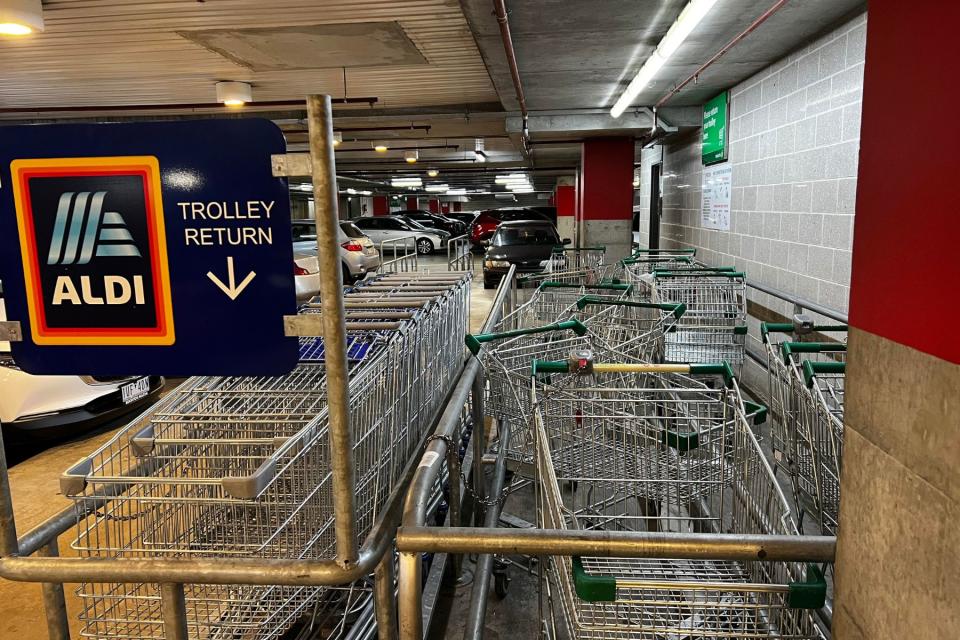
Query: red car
[487, 221]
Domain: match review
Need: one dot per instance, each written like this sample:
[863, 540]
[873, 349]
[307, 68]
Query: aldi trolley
[665, 451]
[807, 391]
[583, 265]
[713, 327]
[553, 301]
[231, 466]
[638, 269]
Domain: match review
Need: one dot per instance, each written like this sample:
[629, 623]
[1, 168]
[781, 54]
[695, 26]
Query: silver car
[382, 228]
[358, 255]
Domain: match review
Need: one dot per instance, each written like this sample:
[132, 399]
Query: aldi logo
[94, 250]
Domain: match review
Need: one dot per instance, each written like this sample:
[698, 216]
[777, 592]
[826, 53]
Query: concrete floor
[36, 496]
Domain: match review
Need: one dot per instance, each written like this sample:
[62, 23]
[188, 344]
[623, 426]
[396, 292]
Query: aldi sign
[95, 271]
[157, 248]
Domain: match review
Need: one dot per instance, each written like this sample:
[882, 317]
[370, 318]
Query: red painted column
[606, 194]
[458, 207]
[444, 207]
[565, 200]
[900, 479]
[381, 205]
[434, 205]
[413, 203]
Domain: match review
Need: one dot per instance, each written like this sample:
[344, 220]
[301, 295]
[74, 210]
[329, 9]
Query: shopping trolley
[583, 265]
[638, 269]
[628, 327]
[714, 325]
[238, 466]
[553, 301]
[667, 455]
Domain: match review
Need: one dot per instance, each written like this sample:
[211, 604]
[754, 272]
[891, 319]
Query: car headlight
[496, 264]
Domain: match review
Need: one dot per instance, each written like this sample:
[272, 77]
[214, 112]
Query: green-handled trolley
[671, 453]
[807, 392]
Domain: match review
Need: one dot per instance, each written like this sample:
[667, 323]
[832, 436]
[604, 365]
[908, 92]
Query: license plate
[133, 391]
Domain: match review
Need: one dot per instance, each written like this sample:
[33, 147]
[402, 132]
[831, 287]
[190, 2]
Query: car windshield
[303, 232]
[512, 236]
[413, 223]
[351, 230]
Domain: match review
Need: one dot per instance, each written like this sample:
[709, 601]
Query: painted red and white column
[565, 201]
[413, 202]
[897, 560]
[605, 196]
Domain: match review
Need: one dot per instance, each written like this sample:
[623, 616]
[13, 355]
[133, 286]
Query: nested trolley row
[239, 466]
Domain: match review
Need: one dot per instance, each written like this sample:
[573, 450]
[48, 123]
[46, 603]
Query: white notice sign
[715, 212]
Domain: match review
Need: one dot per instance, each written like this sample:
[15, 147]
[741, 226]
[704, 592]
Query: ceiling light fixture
[437, 188]
[380, 147]
[406, 182]
[234, 94]
[411, 156]
[20, 17]
[337, 138]
[456, 192]
[433, 173]
[686, 22]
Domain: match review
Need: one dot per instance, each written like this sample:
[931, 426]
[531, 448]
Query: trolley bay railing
[403, 255]
[460, 254]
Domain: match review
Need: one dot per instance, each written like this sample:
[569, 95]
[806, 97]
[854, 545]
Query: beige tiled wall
[794, 144]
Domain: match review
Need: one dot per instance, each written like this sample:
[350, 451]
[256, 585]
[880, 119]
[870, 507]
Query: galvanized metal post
[384, 602]
[54, 604]
[173, 607]
[411, 615]
[320, 127]
[8, 527]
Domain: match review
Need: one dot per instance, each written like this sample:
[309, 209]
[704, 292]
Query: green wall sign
[715, 129]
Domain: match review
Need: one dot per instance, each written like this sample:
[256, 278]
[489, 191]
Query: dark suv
[486, 223]
[525, 243]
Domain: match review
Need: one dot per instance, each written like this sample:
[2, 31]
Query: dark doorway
[653, 241]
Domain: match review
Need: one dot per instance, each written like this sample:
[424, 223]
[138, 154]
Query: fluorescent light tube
[686, 22]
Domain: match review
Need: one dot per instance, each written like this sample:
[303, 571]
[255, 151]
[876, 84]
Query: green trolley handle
[811, 369]
[550, 284]
[767, 328]
[677, 309]
[474, 342]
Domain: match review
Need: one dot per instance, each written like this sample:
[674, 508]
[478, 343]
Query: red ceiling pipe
[719, 54]
[500, 9]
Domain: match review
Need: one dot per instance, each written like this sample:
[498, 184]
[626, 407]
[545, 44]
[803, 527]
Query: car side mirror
[567, 241]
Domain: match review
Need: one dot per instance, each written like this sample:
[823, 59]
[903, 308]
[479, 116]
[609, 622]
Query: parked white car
[380, 228]
[35, 408]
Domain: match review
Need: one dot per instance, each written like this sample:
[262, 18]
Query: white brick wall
[794, 144]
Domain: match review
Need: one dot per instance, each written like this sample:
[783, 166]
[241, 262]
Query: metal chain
[486, 502]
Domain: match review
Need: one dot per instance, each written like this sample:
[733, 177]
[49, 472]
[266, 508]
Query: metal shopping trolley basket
[629, 327]
[713, 328]
[552, 301]
[812, 414]
[569, 265]
[607, 461]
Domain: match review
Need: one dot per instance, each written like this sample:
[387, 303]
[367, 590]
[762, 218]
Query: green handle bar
[720, 368]
[790, 348]
[680, 274]
[789, 327]
[550, 284]
[811, 369]
[758, 411]
[691, 252]
[475, 341]
[677, 309]
[626, 261]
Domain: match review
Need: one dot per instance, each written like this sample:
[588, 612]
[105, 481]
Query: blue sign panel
[151, 248]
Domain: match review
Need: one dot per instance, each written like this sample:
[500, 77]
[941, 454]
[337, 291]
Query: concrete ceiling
[436, 67]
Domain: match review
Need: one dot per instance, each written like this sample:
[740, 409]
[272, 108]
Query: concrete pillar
[565, 200]
[606, 195]
[413, 203]
[381, 205]
[434, 205]
[897, 560]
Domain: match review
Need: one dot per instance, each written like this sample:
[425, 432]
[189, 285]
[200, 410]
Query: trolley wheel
[501, 584]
